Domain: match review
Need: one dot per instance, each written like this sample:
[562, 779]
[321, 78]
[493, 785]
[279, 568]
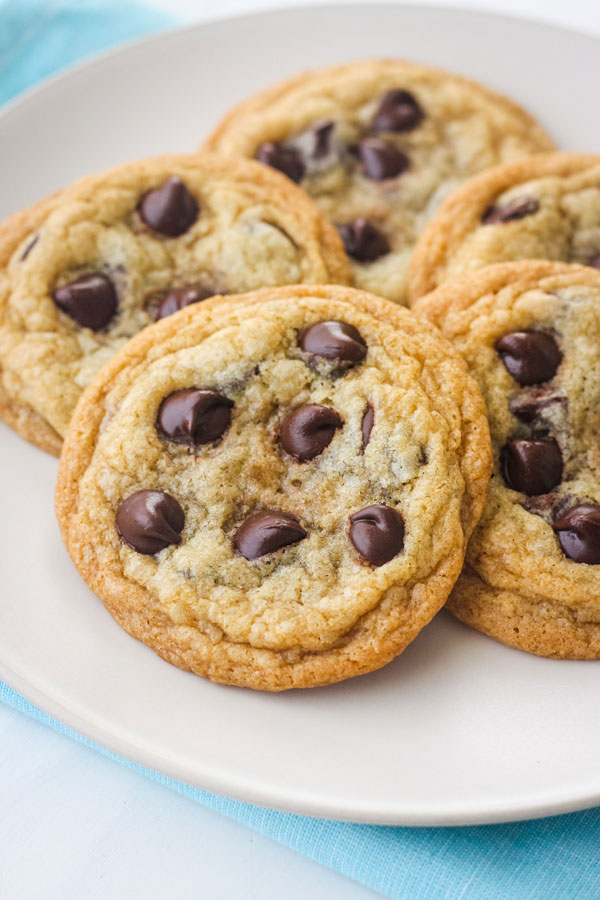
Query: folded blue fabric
[549, 859]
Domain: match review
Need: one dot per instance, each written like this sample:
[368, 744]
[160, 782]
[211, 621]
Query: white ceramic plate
[459, 729]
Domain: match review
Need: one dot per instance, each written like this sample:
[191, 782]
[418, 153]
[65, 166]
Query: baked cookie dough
[530, 333]
[276, 490]
[545, 207]
[84, 271]
[378, 144]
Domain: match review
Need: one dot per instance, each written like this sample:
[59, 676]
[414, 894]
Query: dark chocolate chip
[367, 424]
[527, 407]
[323, 135]
[149, 521]
[29, 247]
[90, 300]
[578, 532]
[170, 209]
[194, 416]
[306, 431]
[516, 209]
[267, 531]
[532, 467]
[363, 241]
[377, 532]
[333, 340]
[381, 159]
[285, 159]
[178, 298]
[594, 262]
[398, 111]
[531, 357]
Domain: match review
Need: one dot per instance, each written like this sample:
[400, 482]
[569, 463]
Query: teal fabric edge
[548, 859]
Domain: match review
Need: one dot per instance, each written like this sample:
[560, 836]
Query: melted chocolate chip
[594, 262]
[516, 209]
[528, 407]
[532, 467]
[267, 531]
[377, 532]
[306, 431]
[149, 521]
[381, 160]
[333, 340]
[323, 135]
[90, 300]
[193, 416]
[578, 532]
[531, 357]
[363, 241]
[178, 298]
[366, 424]
[398, 111]
[547, 506]
[284, 159]
[29, 247]
[170, 209]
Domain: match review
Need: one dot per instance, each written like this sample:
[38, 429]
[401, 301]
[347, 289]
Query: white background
[75, 825]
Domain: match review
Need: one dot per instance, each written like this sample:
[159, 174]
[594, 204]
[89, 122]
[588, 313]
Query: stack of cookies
[272, 472]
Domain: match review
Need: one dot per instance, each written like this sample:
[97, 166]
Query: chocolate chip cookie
[84, 271]
[530, 333]
[546, 207]
[276, 490]
[378, 144]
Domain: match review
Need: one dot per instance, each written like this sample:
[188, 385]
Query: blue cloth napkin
[549, 859]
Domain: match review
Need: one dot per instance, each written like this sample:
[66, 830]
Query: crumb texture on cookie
[547, 207]
[530, 333]
[378, 144]
[82, 273]
[276, 546]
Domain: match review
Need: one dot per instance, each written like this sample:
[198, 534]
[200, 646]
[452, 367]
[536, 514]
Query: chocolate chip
[398, 111]
[170, 209]
[532, 467]
[594, 262]
[367, 424]
[29, 247]
[267, 531]
[149, 521]
[516, 209]
[178, 298]
[90, 300]
[323, 135]
[531, 406]
[306, 431]
[377, 532]
[194, 416]
[381, 160]
[531, 357]
[284, 159]
[337, 341]
[363, 241]
[578, 532]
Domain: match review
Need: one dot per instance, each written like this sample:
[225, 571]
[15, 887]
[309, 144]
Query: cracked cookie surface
[378, 145]
[84, 271]
[275, 490]
[530, 333]
[547, 207]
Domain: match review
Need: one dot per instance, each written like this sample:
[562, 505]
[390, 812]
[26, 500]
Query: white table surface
[76, 825]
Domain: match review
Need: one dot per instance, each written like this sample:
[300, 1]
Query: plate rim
[233, 784]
